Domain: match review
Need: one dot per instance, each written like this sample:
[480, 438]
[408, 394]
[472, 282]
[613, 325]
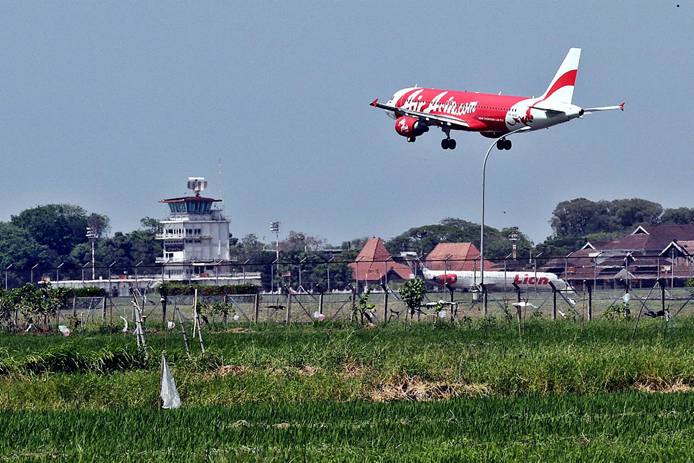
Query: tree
[60, 227]
[19, 248]
[680, 215]
[450, 230]
[580, 217]
[126, 249]
[149, 224]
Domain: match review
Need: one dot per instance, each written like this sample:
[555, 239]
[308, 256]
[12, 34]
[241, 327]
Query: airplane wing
[604, 108]
[436, 119]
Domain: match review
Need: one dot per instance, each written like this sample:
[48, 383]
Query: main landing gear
[503, 144]
[448, 144]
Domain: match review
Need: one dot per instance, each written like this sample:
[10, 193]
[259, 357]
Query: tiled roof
[455, 257]
[374, 262]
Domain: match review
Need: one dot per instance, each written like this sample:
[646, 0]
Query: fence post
[385, 302]
[288, 317]
[661, 282]
[353, 296]
[518, 292]
[484, 298]
[103, 309]
[256, 307]
[589, 285]
[320, 303]
[163, 309]
[554, 300]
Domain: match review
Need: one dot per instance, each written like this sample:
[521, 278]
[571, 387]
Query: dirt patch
[663, 387]
[235, 370]
[352, 369]
[307, 370]
[239, 329]
[417, 389]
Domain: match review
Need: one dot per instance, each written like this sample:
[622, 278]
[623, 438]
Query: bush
[177, 289]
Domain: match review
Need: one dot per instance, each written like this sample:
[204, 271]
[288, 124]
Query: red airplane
[416, 109]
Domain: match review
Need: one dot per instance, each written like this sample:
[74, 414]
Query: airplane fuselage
[491, 115]
[495, 280]
[417, 109]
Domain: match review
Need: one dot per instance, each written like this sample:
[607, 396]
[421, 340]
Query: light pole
[32, 273]
[110, 288]
[7, 269]
[57, 274]
[484, 183]
[327, 269]
[92, 236]
[275, 228]
[137, 283]
[513, 238]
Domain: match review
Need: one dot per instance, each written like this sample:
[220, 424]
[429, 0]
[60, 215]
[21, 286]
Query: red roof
[184, 199]
[456, 257]
[374, 262]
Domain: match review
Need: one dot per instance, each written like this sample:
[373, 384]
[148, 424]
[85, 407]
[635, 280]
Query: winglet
[374, 102]
[621, 105]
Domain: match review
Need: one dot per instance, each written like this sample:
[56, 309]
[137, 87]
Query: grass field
[562, 391]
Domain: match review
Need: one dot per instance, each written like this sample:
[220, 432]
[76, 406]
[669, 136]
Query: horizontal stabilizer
[605, 108]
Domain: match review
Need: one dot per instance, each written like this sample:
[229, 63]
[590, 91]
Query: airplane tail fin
[561, 89]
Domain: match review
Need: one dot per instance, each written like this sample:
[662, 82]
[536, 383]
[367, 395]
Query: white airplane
[496, 280]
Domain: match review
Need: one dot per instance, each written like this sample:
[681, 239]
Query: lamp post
[57, 274]
[92, 235]
[7, 269]
[513, 238]
[32, 273]
[110, 288]
[275, 228]
[83, 267]
[327, 269]
[484, 183]
[137, 283]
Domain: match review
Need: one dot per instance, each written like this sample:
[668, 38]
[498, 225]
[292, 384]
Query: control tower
[195, 235]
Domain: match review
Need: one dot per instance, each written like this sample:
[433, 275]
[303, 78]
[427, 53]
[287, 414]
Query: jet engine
[410, 127]
[446, 279]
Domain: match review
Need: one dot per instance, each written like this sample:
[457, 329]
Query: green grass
[620, 427]
[476, 391]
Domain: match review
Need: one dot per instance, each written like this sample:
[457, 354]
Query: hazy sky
[111, 105]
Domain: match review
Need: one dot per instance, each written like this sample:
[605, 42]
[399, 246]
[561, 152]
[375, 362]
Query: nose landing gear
[503, 144]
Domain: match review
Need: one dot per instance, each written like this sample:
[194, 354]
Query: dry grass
[352, 369]
[414, 388]
[234, 370]
[663, 387]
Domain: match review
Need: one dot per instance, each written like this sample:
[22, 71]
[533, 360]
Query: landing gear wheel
[451, 144]
[507, 144]
[500, 144]
[445, 143]
[411, 140]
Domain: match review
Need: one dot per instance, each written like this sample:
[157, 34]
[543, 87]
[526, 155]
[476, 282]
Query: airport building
[195, 235]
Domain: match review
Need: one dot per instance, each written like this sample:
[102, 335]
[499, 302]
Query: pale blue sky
[111, 105]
